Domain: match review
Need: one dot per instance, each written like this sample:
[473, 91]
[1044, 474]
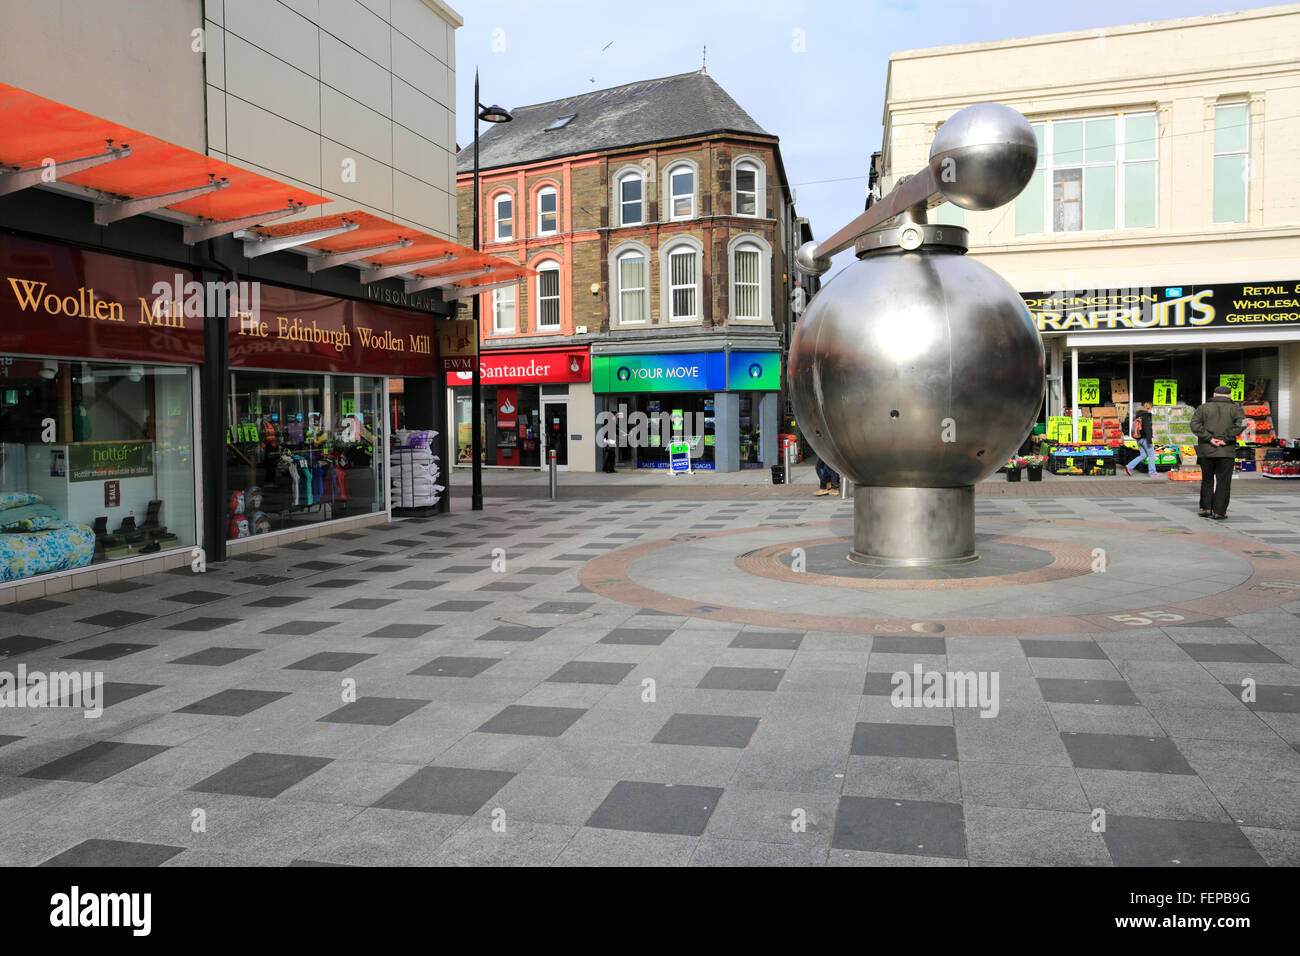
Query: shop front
[308, 435]
[724, 404]
[532, 401]
[1112, 350]
[98, 398]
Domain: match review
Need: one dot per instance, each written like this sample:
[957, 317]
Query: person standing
[1142, 432]
[1217, 423]
[828, 479]
[607, 465]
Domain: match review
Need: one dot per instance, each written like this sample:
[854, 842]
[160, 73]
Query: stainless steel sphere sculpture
[917, 372]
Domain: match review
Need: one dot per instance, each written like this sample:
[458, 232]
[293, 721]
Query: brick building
[661, 224]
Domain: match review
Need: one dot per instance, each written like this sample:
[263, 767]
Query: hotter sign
[528, 368]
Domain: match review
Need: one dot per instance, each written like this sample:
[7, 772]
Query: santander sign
[528, 368]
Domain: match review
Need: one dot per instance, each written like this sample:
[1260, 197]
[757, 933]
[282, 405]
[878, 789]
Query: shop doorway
[555, 432]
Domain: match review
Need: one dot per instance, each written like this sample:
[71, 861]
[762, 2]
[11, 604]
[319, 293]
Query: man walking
[1142, 432]
[1217, 423]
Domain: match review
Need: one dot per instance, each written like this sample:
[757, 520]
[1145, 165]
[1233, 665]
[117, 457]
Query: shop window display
[511, 421]
[302, 449]
[96, 463]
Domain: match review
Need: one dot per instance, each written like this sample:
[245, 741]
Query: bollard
[845, 486]
[551, 456]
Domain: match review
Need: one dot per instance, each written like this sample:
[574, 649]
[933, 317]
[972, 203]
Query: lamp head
[494, 114]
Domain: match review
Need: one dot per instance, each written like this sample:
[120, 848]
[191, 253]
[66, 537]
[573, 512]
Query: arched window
[632, 272]
[548, 295]
[503, 217]
[680, 277]
[681, 191]
[548, 211]
[749, 187]
[503, 309]
[751, 279]
[631, 199]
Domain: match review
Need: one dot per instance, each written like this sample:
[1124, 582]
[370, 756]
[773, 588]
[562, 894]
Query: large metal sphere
[983, 156]
[901, 351]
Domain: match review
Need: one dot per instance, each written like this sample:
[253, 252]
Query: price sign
[1237, 383]
[1166, 392]
[1089, 391]
[1060, 428]
[349, 406]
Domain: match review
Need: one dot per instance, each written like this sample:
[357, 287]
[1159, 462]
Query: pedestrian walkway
[641, 682]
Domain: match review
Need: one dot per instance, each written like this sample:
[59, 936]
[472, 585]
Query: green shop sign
[103, 460]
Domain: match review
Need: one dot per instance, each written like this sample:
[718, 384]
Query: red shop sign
[309, 332]
[59, 301]
[529, 368]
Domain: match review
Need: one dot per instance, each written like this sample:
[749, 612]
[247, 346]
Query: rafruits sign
[1236, 305]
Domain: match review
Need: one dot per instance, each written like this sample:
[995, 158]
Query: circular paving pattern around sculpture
[1156, 577]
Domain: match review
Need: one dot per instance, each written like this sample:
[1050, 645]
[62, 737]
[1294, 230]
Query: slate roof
[648, 111]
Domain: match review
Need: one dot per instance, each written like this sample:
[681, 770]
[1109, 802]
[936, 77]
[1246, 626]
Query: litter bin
[778, 474]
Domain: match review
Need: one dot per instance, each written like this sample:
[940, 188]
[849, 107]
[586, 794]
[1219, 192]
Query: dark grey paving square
[562, 607]
[742, 678]
[769, 640]
[300, 628]
[383, 711]
[464, 569]
[461, 607]
[416, 585]
[114, 853]
[303, 545]
[261, 775]
[572, 557]
[506, 586]
[365, 604]
[251, 557]
[196, 597]
[656, 808]
[34, 606]
[408, 543]
[328, 661]
[455, 667]
[591, 672]
[707, 730]
[6, 739]
[233, 703]
[1231, 653]
[878, 684]
[203, 624]
[319, 565]
[904, 644]
[263, 580]
[1068, 690]
[121, 587]
[531, 721]
[1272, 698]
[384, 568]
[934, 741]
[404, 630]
[276, 600]
[453, 790]
[1212, 622]
[508, 632]
[115, 619]
[636, 635]
[113, 692]
[346, 536]
[21, 643]
[364, 553]
[106, 652]
[1072, 650]
[1142, 841]
[97, 762]
[335, 583]
[1125, 752]
[910, 827]
[542, 571]
[216, 656]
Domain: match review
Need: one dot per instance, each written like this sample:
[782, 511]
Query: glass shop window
[96, 463]
[301, 449]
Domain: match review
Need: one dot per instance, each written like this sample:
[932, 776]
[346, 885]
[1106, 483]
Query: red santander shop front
[533, 400]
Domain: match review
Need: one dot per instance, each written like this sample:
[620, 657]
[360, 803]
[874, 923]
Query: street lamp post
[489, 114]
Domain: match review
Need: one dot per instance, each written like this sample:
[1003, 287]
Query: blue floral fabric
[24, 554]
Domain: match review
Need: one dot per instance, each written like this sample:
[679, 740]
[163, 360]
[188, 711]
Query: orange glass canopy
[34, 129]
[373, 231]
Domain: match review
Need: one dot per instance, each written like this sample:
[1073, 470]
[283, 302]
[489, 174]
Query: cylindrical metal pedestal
[913, 527]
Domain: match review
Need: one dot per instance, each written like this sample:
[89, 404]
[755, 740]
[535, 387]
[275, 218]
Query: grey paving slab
[445, 790]
[1125, 752]
[913, 827]
[261, 775]
[114, 853]
[1143, 841]
[656, 808]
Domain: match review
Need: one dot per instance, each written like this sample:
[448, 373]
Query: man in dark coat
[1217, 423]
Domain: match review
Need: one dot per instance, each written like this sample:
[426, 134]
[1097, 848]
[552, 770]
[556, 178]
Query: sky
[811, 72]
